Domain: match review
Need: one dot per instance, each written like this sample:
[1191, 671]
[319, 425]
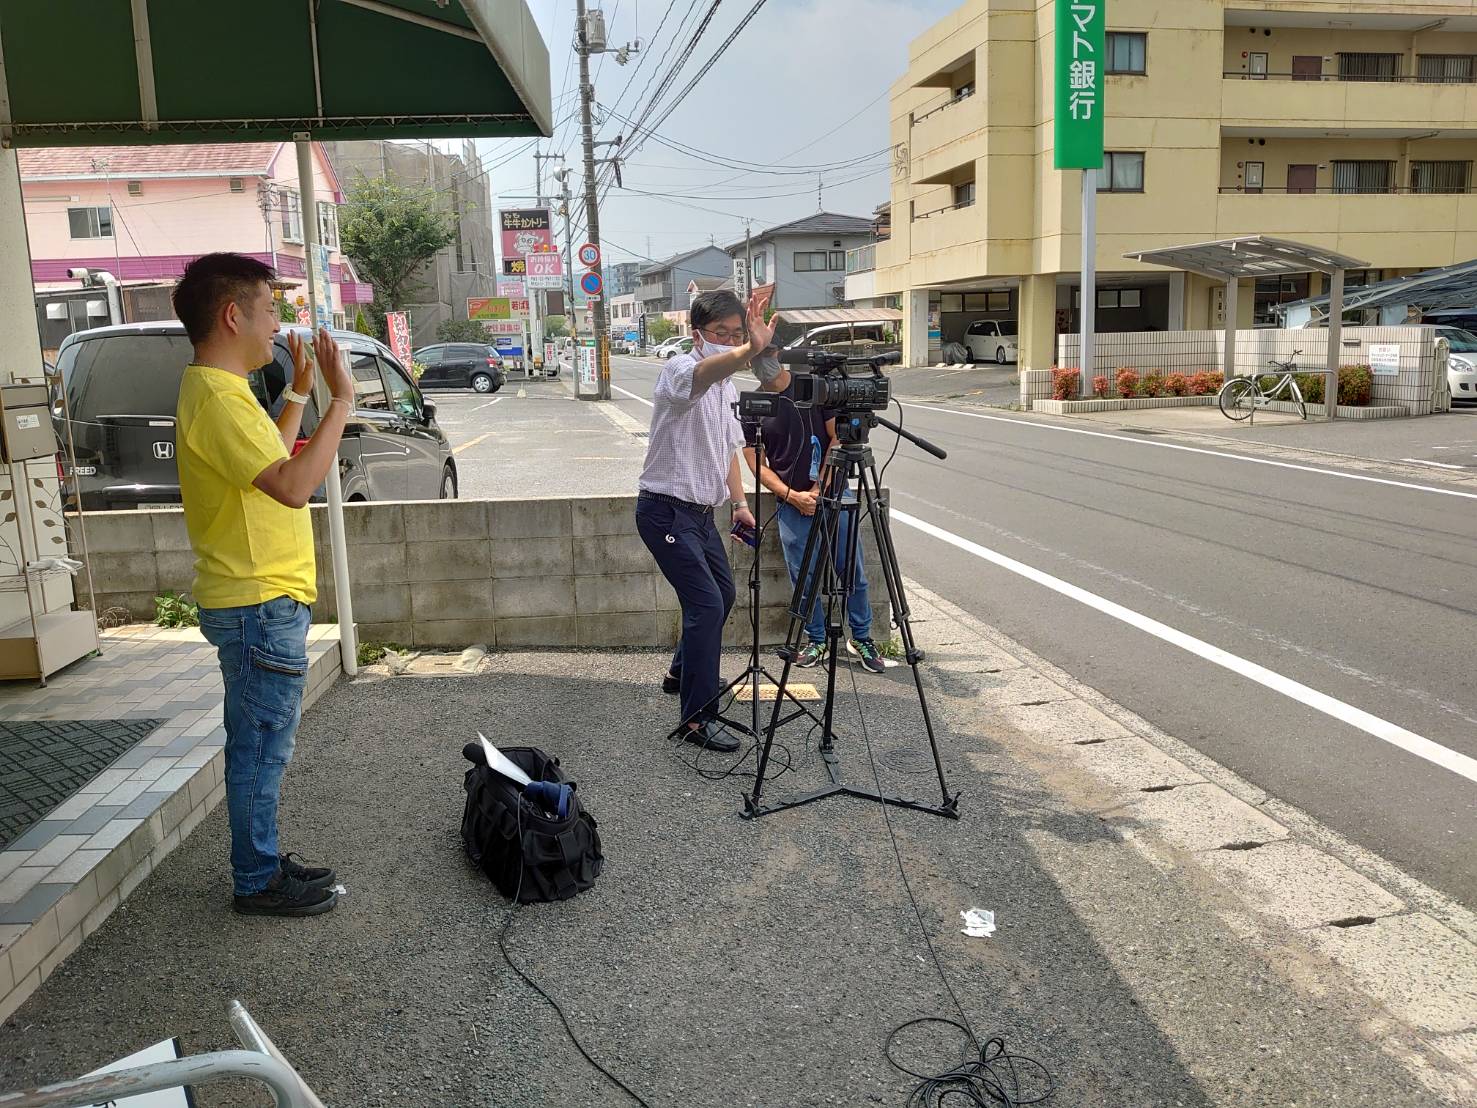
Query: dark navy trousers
[685, 543]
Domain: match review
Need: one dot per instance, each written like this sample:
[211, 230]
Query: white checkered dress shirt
[694, 436]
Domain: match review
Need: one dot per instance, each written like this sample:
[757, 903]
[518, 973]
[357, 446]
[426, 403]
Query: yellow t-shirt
[248, 547]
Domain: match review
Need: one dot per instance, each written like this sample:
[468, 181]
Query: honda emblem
[164, 451]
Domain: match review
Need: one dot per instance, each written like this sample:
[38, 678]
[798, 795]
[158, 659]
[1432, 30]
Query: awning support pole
[348, 641]
[1335, 344]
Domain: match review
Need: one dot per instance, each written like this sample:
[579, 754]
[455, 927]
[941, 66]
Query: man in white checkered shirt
[691, 468]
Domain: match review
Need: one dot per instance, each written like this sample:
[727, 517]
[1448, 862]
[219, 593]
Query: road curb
[1406, 947]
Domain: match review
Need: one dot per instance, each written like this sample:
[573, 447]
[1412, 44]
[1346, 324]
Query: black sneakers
[285, 895]
[672, 684]
[315, 877]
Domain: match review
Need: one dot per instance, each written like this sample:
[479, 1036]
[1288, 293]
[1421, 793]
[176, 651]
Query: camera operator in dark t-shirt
[796, 441]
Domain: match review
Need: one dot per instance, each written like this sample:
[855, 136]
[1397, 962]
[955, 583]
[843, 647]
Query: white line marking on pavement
[473, 442]
[489, 404]
[633, 396]
[1198, 450]
[1439, 465]
[1395, 735]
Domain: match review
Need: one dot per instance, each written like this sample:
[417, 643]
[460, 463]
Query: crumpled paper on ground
[978, 923]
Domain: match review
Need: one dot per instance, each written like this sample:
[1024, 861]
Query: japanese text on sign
[1080, 46]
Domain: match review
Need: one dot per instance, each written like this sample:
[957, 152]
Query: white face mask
[712, 349]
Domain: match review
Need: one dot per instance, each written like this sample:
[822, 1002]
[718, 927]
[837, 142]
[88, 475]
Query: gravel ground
[716, 961]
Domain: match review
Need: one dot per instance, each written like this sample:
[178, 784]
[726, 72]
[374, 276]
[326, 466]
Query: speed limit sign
[589, 255]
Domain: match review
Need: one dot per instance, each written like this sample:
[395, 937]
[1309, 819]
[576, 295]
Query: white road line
[489, 404]
[1438, 465]
[633, 396]
[1198, 450]
[1384, 730]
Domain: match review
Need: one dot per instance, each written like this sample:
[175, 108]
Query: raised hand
[302, 368]
[761, 334]
[333, 366]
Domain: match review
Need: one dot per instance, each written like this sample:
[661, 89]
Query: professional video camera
[832, 387]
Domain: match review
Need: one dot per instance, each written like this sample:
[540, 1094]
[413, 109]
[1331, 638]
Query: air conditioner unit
[135, 188]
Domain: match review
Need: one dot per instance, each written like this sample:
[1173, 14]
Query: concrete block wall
[512, 574]
[1419, 387]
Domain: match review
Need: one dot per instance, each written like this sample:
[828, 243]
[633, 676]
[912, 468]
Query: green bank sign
[1080, 66]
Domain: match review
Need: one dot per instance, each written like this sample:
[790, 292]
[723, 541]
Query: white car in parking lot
[992, 340]
[1461, 365]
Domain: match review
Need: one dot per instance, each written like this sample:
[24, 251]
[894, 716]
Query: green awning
[116, 72]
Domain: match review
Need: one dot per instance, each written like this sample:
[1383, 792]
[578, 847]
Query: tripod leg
[876, 507]
[805, 584]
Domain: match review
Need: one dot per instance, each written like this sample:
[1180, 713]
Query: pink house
[143, 212]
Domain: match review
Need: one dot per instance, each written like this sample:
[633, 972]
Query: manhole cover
[44, 763]
[906, 759]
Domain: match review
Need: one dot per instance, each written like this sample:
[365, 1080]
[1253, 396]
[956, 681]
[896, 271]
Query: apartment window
[1369, 67]
[1445, 69]
[328, 225]
[811, 261]
[1363, 176]
[91, 223]
[1120, 298]
[1271, 291]
[964, 194]
[759, 269]
[135, 188]
[291, 207]
[1121, 172]
[1127, 51]
[236, 184]
[1358, 278]
[1440, 176]
[838, 260]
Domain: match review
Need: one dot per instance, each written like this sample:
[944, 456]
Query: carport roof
[839, 315]
[1248, 256]
[121, 72]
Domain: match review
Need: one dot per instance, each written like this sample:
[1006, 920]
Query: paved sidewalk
[63, 877]
[1138, 955]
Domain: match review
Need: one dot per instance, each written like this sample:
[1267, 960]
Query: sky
[804, 85]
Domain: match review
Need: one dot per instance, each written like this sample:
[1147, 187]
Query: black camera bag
[527, 852]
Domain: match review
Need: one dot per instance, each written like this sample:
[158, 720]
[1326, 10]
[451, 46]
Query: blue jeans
[690, 554]
[263, 651]
[794, 530]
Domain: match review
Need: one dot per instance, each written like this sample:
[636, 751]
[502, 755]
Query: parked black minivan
[122, 384]
[461, 365]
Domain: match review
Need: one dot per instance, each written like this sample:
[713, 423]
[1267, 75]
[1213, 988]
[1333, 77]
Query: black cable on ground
[992, 1075]
[550, 1001]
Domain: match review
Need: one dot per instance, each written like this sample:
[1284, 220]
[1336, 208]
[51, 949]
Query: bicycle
[1240, 397]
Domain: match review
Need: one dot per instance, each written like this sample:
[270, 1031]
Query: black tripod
[755, 669]
[836, 527]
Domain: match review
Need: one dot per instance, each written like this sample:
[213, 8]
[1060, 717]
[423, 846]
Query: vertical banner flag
[398, 325]
[1080, 65]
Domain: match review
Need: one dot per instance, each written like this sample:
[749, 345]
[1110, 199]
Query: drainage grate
[44, 763]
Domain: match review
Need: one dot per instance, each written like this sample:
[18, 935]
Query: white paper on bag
[501, 763]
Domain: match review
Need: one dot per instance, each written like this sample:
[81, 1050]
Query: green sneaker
[870, 656]
[813, 654]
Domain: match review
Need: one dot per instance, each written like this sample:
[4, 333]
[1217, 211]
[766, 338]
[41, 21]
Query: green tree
[554, 326]
[286, 313]
[461, 330]
[391, 231]
[361, 324]
[659, 330]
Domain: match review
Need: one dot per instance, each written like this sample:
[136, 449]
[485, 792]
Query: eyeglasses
[726, 337]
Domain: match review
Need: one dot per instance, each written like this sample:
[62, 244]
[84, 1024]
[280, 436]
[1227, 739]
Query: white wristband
[292, 396]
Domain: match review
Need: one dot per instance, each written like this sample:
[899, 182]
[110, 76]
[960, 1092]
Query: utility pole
[592, 205]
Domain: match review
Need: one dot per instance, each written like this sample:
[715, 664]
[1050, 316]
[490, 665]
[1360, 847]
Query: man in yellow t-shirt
[246, 494]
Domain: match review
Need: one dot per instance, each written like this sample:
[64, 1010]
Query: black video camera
[830, 386]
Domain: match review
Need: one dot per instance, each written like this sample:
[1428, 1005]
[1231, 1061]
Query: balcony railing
[860, 259]
[941, 211]
[1357, 79]
[963, 95]
[1326, 190]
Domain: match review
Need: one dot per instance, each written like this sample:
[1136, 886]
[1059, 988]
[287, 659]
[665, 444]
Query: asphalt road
[1312, 631]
